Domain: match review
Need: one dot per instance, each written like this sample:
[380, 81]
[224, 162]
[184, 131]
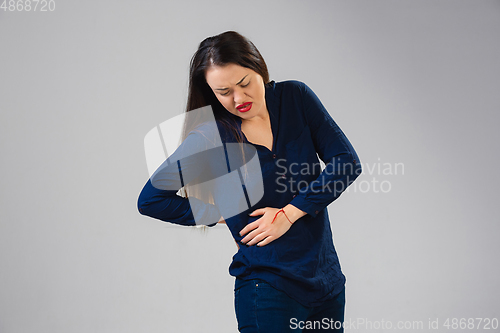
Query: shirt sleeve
[342, 165]
[158, 198]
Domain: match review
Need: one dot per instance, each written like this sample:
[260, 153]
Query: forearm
[338, 174]
[166, 206]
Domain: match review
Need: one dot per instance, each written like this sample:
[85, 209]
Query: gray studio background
[410, 82]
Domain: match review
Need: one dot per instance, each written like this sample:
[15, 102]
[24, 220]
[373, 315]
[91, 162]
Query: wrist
[293, 213]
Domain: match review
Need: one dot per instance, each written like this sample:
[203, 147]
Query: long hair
[226, 48]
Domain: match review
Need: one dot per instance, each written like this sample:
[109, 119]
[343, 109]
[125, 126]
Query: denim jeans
[260, 308]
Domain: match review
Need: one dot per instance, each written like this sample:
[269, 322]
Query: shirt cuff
[310, 208]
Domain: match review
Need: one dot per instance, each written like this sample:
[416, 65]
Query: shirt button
[283, 176]
[316, 212]
[294, 195]
[274, 155]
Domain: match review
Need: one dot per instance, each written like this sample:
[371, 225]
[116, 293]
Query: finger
[249, 227]
[251, 236]
[259, 211]
[257, 239]
[266, 241]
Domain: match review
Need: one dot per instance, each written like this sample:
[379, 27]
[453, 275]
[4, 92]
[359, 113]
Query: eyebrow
[236, 84]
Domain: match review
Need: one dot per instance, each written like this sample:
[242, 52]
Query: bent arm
[158, 198]
[342, 164]
[167, 206]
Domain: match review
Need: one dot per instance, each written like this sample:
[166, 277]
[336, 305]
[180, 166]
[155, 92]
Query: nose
[239, 96]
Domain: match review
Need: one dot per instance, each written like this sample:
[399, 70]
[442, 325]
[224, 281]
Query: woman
[288, 276]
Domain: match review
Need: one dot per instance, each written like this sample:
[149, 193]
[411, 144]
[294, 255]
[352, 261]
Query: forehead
[226, 76]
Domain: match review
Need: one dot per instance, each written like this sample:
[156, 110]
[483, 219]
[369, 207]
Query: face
[239, 89]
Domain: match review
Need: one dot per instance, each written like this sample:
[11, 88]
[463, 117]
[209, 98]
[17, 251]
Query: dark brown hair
[226, 48]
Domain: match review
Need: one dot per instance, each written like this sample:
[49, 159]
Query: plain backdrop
[413, 84]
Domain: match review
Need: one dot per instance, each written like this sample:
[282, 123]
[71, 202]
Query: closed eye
[243, 86]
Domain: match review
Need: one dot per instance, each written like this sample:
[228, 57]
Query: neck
[261, 117]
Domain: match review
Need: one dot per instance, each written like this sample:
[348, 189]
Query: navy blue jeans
[260, 308]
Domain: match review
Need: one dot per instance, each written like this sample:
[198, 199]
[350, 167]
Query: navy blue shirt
[303, 262]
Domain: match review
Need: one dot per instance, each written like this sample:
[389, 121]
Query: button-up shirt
[303, 262]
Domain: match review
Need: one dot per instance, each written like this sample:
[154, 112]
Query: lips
[244, 107]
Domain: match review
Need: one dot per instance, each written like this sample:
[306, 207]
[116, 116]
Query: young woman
[288, 276]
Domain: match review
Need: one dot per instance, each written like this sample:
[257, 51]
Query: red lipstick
[244, 107]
